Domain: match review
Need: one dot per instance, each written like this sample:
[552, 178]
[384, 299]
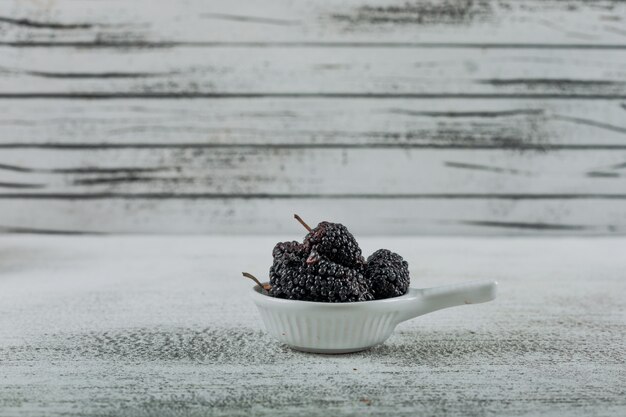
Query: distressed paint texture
[138, 326]
[438, 117]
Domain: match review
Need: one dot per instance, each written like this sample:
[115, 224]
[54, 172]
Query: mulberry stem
[298, 218]
[253, 278]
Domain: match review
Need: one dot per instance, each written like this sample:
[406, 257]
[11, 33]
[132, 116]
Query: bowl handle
[437, 298]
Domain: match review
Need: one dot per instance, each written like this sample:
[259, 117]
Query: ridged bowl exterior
[328, 327]
[349, 327]
[339, 332]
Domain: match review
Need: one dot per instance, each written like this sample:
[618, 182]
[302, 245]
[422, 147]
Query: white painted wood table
[137, 326]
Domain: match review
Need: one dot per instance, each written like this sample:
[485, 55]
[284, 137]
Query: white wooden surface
[220, 117]
[138, 326]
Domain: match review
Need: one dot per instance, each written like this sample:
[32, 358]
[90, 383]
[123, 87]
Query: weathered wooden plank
[421, 22]
[138, 326]
[503, 123]
[313, 71]
[116, 161]
[400, 216]
[311, 171]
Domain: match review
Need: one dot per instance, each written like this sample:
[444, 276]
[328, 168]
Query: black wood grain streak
[418, 13]
[116, 170]
[124, 44]
[603, 173]
[477, 167]
[549, 82]
[301, 95]
[523, 225]
[470, 114]
[279, 196]
[250, 19]
[29, 230]
[129, 179]
[84, 170]
[95, 75]
[600, 174]
[590, 122]
[33, 24]
[14, 168]
[104, 44]
[20, 185]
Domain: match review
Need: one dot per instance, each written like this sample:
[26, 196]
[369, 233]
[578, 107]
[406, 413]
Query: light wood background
[223, 116]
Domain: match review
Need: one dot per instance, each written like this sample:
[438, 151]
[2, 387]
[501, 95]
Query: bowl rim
[257, 293]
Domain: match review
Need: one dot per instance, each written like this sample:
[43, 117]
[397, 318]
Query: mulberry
[387, 273]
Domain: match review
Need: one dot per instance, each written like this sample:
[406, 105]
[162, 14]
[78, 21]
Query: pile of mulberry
[329, 267]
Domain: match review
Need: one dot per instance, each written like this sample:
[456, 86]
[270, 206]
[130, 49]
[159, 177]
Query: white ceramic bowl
[350, 327]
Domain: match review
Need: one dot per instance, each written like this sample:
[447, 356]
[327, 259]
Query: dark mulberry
[387, 273]
[334, 242]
